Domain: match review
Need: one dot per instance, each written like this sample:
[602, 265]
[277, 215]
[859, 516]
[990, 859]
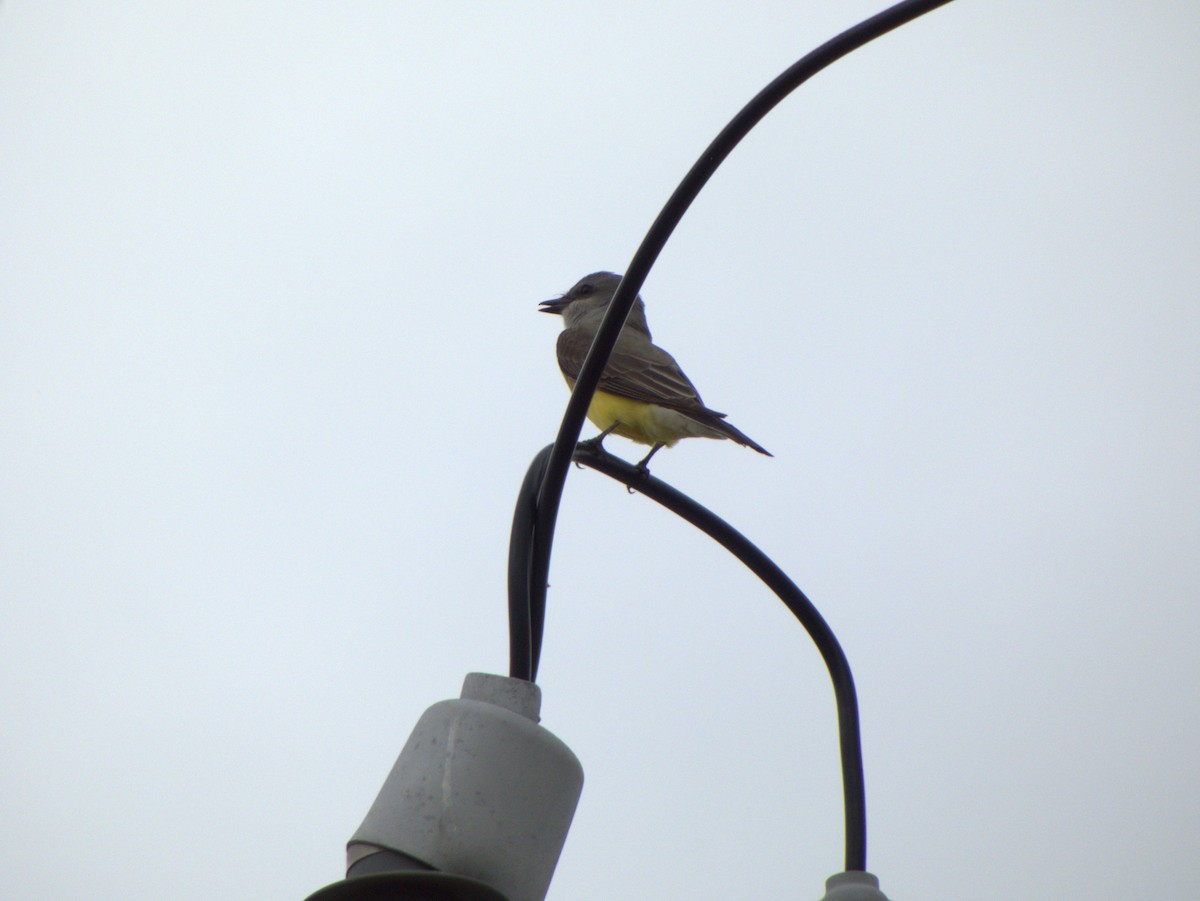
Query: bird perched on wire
[643, 395]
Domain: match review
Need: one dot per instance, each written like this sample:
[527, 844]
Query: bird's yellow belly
[637, 420]
[642, 422]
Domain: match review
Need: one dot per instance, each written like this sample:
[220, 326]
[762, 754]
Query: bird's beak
[553, 306]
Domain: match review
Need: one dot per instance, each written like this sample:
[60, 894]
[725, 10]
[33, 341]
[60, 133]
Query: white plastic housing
[853, 885]
[481, 790]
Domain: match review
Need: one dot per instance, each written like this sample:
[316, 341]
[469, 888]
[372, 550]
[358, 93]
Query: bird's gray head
[588, 300]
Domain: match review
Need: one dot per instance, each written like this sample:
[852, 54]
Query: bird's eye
[584, 290]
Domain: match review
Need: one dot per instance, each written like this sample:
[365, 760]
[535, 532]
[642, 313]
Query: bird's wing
[637, 369]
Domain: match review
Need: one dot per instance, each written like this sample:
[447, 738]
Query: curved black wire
[853, 786]
[550, 495]
[526, 596]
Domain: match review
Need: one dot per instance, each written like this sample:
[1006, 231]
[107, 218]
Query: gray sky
[271, 372]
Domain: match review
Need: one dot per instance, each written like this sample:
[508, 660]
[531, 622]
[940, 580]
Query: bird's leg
[644, 463]
[642, 466]
[597, 443]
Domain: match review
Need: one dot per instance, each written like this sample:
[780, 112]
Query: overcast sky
[271, 372]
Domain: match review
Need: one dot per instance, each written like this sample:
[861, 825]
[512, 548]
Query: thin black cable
[526, 597]
[550, 496]
[853, 786]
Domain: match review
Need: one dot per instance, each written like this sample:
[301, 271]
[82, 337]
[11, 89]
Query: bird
[643, 395]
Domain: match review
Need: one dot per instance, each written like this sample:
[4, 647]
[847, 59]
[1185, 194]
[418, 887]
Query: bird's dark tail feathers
[740, 437]
[717, 421]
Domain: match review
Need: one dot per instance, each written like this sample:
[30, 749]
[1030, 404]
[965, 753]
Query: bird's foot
[643, 465]
[596, 445]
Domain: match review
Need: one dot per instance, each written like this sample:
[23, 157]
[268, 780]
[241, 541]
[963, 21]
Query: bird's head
[587, 302]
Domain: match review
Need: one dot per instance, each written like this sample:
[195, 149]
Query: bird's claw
[597, 444]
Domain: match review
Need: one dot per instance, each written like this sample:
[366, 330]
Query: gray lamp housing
[853, 885]
[480, 791]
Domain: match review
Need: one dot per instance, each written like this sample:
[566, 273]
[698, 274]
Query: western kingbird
[643, 394]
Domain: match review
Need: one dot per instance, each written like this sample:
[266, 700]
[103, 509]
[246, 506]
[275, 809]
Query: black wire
[526, 597]
[853, 787]
[550, 496]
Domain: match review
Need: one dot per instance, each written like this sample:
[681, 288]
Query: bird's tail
[740, 437]
[716, 421]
